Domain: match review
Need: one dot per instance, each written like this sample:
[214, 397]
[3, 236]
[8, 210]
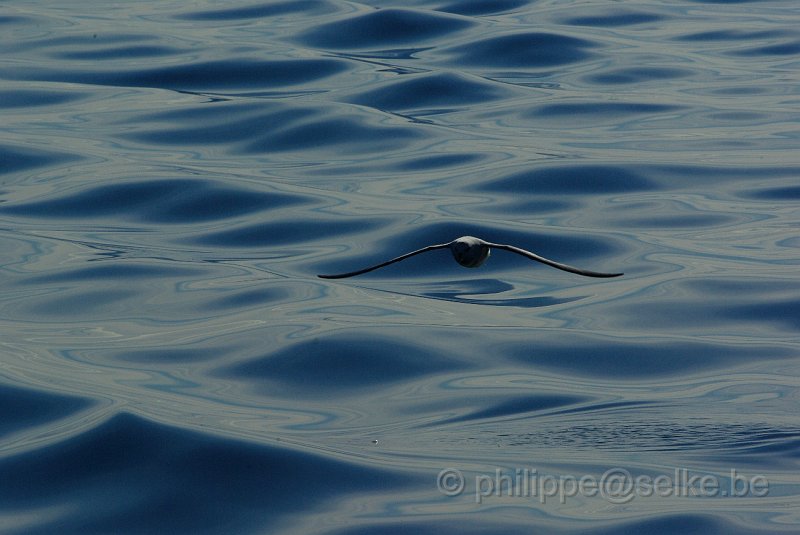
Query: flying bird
[471, 252]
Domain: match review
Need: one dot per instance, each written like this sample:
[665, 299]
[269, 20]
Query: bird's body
[472, 252]
[469, 251]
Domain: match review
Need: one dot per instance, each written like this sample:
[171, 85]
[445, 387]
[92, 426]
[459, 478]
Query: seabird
[471, 252]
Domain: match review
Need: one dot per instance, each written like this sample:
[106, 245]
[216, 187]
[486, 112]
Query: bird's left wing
[384, 264]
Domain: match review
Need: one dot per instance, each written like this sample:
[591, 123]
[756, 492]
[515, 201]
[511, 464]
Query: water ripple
[615, 18]
[483, 7]
[16, 158]
[22, 408]
[383, 28]
[528, 50]
[338, 366]
[231, 74]
[156, 201]
[120, 454]
[273, 9]
[442, 90]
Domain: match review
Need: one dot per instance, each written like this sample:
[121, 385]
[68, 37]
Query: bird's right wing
[553, 263]
[384, 264]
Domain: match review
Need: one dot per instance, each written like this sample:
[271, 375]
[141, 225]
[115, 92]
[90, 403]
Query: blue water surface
[174, 175]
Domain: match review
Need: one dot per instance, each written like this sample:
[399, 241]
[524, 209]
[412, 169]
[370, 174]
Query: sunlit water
[175, 174]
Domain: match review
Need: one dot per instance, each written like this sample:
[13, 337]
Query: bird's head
[469, 251]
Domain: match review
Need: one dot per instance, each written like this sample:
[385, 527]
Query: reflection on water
[175, 176]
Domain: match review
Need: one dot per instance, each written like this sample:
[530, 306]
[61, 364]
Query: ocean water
[174, 175]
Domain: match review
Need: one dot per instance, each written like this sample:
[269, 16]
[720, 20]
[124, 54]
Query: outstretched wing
[557, 265]
[384, 264]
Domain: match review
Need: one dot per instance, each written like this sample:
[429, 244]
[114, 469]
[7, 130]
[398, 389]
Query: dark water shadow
[21, 408]
[635, 359]
[284, 232]
[117, 53]
[258, 11]
[605, 109]
[614, 18]
[230, 74]
[737, 304]
[15, 158]
[349, 134]
[117, 271]
[476, 8]
[529, 50]
[28, 98]
[145, 477]
[156, 201]
[573, 180]
[462, 292]
[635, 75]
[382, 28]
[439, 90]
[339, 365]
[772, 193]
[517, 407]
